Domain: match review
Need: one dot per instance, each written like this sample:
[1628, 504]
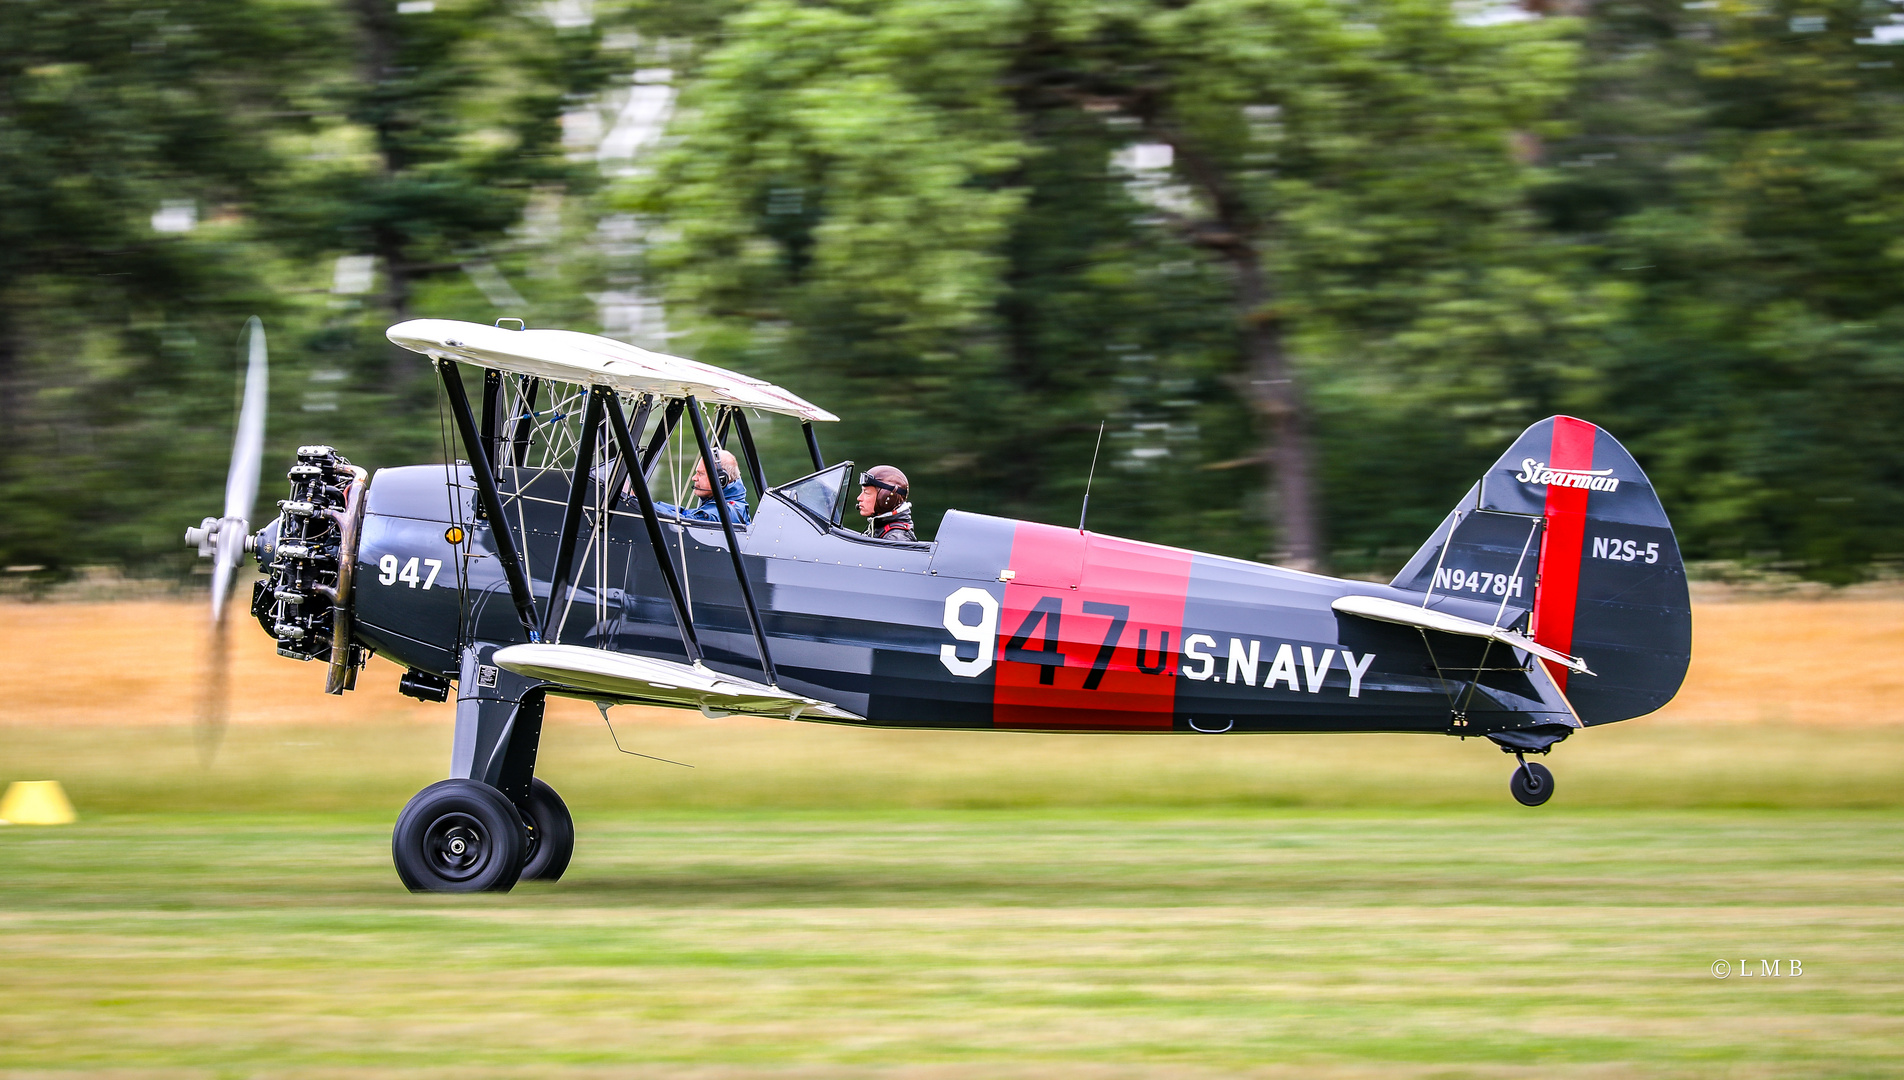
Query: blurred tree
[866, 178]
[1742, 167]
[1274, 238]
[166, 170]
[129, 134]
[438, 123]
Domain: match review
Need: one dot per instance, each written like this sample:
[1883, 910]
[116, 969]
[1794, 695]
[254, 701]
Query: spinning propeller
[223, 540]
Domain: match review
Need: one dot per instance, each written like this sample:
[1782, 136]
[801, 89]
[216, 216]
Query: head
[730, 468]
[882, 489]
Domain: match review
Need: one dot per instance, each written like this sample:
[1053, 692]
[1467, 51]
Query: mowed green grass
[813, 901]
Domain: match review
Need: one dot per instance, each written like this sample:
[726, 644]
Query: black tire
[458, 836]
[551, 834]
[1531, 784]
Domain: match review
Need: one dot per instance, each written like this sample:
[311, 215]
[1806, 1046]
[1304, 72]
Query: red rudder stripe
[1561, 546]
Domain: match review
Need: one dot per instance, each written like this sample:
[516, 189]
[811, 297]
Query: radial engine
[308, 555]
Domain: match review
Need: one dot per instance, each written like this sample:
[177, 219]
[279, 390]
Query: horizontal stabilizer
[574, 671]
[1394, 611]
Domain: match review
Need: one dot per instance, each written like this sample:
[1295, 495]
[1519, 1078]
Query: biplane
[543, 561]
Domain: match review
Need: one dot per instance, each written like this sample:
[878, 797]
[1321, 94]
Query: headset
[722, 477]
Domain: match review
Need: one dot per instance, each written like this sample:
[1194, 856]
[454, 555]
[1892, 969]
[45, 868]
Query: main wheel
[1531, 784]
[458, 836]
[551, 834]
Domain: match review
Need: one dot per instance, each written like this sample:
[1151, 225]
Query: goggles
[868, 480]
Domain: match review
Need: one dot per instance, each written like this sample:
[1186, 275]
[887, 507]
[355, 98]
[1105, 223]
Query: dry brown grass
[1813, 661]
[1823, 661]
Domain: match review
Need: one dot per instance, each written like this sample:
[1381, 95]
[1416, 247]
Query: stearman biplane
[1551, 598]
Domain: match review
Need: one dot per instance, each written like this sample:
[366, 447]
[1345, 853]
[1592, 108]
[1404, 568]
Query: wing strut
[618, 424]
[813, 445]
[618, 476]
[492, 412]
[733, 544]
[753, 456]
[572, 514]
[491, 501]
[524, 428]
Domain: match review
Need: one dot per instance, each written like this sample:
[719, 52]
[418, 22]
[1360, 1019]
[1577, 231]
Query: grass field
[812, 901]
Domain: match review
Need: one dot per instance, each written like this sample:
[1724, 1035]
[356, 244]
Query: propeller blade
[228, 543]
[241, 481]
[247, 450]
[215, 701]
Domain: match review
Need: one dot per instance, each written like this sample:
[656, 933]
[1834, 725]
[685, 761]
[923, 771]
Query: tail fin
[1567, 532]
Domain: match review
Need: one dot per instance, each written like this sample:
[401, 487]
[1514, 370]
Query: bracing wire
[527, 413]
[1533, 526]
[604, 706]
[1454, 519]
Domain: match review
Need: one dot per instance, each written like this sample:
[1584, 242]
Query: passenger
[882, 502]
[732, 490]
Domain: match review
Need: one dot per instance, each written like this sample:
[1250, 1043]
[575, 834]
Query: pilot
[732, 491]
[883, 503]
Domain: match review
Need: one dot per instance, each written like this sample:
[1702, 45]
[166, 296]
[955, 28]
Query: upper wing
[567, 356]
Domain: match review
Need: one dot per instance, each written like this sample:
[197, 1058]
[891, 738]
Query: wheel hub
[455, 846]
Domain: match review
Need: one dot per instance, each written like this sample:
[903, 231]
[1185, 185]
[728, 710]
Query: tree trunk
[11, 389]
[1277, 401]
[401, 366]
[1295, 521]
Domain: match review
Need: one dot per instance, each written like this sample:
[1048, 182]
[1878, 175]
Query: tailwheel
[551, 834]
[1531, 783]
[458, 836]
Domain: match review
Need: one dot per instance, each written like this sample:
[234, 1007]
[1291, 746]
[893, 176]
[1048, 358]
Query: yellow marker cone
[37, 802]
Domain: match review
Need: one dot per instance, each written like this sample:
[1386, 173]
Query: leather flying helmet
[890, 483]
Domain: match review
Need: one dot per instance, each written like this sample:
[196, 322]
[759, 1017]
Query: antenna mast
[1093, 476]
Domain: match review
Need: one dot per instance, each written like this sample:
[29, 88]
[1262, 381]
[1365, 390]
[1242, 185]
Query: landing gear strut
[494, 822]
[1531, 783]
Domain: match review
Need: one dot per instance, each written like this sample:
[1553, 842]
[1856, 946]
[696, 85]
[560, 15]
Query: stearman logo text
[1537, 472]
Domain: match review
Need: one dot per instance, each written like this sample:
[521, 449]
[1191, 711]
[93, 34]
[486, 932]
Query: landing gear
[493, 823]
[551, 834]
[459, 836]
[1531, 783]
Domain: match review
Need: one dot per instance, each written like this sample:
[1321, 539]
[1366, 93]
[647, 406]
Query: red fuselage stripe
[1107, 596]
[1560, 549]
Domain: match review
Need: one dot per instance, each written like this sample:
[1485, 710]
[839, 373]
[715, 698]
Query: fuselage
[995, 624]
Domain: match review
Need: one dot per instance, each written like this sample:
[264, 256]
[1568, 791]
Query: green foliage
[286, 132]
[857, 209]
[942, 234]
[924, 215]
[1738, 168]
[109, 112]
